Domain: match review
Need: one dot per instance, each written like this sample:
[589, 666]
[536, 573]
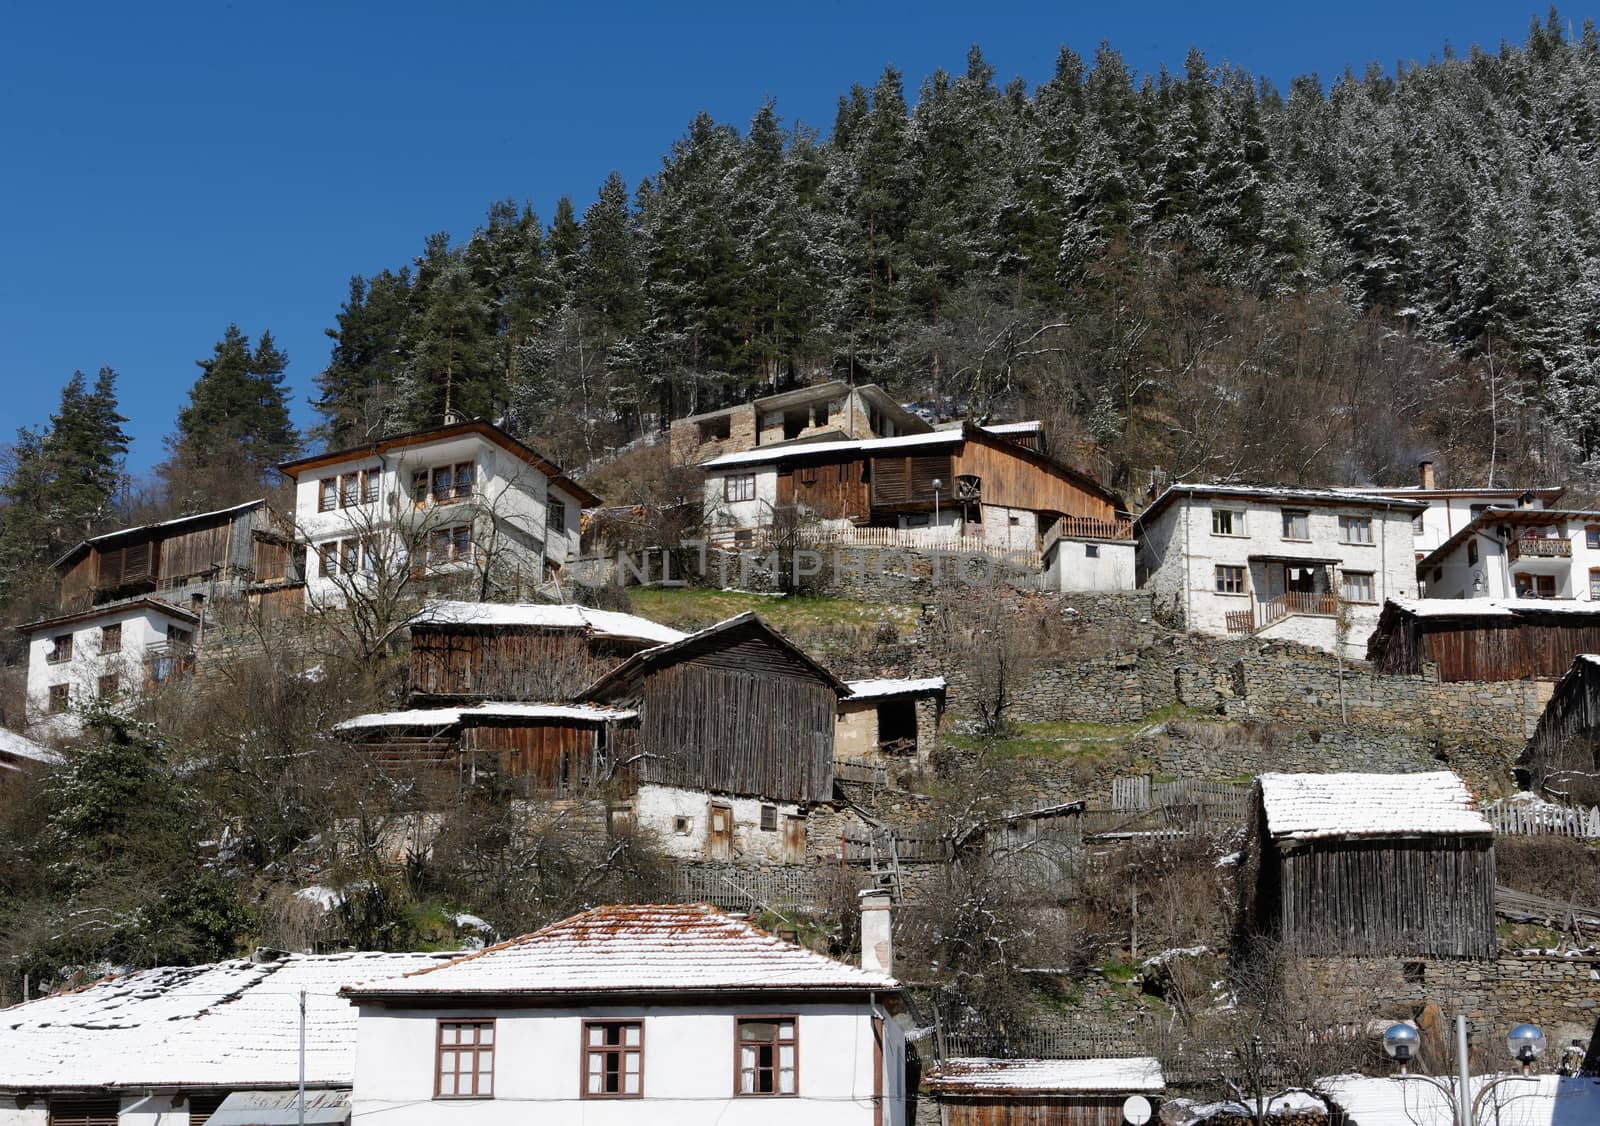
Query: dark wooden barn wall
[1433, 896]
[1518, 649]
[78, 583]
[199, 551]
[707, 726]
[830, 489]
[1570, 723]
[270, 561]
[1000, 1110]
[507, 664]
[532, 753]
[1009, 478]
[899, 479]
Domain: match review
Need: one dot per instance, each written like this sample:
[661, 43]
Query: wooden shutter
[84, 1112]
[110, 567]
[202, 1107]
[889, 480]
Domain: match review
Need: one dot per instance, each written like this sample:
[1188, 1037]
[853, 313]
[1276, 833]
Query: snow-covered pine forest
[1197, 272]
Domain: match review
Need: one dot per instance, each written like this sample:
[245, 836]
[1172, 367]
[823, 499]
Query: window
[350, 556]
[177, 635]
[1594, 585]
[369, 486]
[1357, 586]
[443, 483]
[1230, 580]
[1535, 586]
[419, 488]
[1091, 551]
[1472, 551]
[767, 1056]
[466, 476]
[1296, 524]
[714, 429]
[328, 558]
[1227, 522]
[683, 826]
[60, 698]
[1416, 524]
[60, 649]
[739, 486]
[613, 1059]
[108, 686]
[556, 521]
[1355, 529]
[111, 638]
[450, 545]
[1591, 538]
[85, 1112]
[465, 1055]
[327, 494]
[769, 818]
[744, 539]
[349, 490]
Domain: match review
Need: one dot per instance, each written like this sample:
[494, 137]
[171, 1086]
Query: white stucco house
[1452, 509]
[634, 1014]
[1518, 553]
[183, 1045]
[110, 653]
[1279, 562]
[463, 500]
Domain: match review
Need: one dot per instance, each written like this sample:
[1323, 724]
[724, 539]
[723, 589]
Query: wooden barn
[1483, 639]
[232, 547]
[733, 709]
[524, 750]
[467, 651]
[1031, 1092]
[1562, 757]
[1369, 865]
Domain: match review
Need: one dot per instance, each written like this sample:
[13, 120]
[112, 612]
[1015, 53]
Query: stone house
[633, 1014]
[464, 501]
[888, 719]
[1282, 563]
[1451, 509]
[824, 411]
[1526, 552]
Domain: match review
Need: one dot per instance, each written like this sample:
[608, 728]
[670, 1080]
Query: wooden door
[794, 840]
[719, 833]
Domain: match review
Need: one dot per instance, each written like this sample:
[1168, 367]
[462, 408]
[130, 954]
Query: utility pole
[301, 1104]
[1464, 1100]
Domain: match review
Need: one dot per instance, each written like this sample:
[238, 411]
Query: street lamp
[1525, 1043]
[937, 485]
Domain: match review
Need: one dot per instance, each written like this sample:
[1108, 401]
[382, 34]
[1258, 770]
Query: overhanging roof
[1509, 517]
[111, 610]
[1276, 494]
[107, 538]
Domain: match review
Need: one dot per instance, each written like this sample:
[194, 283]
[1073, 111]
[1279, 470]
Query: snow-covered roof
[744, 620]
[672, 948]
[449, 717]
[1032, 427]
[1592, 658]
[1313, 806]
[974, 1075]
[766, 454]
[1544, 1100]
[1296, 1103]
[13, 745]
[228, 1024]
[1276, 494]
[603, 623]
[138, 528]
[888, 686]
[1492, 607]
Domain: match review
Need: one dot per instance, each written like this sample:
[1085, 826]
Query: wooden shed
[888, 718]
[1034, 1092]
[242, 544]
[468, 651]
[734, 709]
[1482, 638]
[1562, 757]
[530, 750]
[1369, 865]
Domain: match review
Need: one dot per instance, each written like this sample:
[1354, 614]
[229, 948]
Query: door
[794, 840]
[719, 833]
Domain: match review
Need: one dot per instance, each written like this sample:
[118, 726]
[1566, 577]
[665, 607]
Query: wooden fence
[1019, 556]
[1520, 819]
[868, 773]
[738, 888]
[858, 847]
[1220, 801]
[1520, 905]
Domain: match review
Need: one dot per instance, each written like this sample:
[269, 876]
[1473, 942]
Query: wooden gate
[719, 836]
[794, 839]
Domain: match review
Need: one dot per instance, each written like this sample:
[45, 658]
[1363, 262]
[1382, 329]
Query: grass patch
[698, 607]
[1067, 739]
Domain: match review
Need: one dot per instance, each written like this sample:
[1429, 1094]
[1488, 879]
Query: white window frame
[1238, 529]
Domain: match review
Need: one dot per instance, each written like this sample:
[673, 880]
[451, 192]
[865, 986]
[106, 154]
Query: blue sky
[172, 167]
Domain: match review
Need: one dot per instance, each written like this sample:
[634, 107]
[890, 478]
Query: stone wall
[685, 447]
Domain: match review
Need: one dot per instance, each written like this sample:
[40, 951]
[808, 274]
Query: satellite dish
[1136, 1110]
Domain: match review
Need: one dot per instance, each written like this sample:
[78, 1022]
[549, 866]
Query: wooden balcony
[1540, 549]
[1264, 614]
[1090, 528]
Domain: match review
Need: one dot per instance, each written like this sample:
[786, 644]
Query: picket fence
[1519, 819]
[1221, 801]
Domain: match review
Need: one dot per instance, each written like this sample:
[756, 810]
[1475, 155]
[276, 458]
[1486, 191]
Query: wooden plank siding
[1484, 649]
[907, 479]
[832, 489]
[1009, 477]
[1563, 753]
[738, 731]
[1032, 1110]
[194, 553]
[542, 665]
[539, 757]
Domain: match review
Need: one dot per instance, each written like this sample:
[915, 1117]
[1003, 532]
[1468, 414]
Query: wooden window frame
[1372, 586]
[90, 1111]
[1289, 516]
[328, 494]
[739, 1022]
[108, 685]
[622, 1051]
[370, 479]
[1217, 579]
[1237, 522]
[454, 552]
[58, 699]
[111, 638]
[476, 1049]
[1472, 552]
[350, 489]
[769, 818]
[1594, 584]
[1346, 523]
[59, 653]
[555, 516]
[744, 479]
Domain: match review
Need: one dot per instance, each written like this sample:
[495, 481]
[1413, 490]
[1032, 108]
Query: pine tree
[358, 386]
[236, 425]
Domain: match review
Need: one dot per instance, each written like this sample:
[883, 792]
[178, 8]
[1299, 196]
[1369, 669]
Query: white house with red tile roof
[633, 1014]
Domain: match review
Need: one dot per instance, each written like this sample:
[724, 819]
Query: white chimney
[877, 931]
[1425, 470]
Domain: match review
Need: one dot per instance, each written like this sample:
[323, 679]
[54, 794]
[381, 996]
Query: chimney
[1425, 469]
[877, 931]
